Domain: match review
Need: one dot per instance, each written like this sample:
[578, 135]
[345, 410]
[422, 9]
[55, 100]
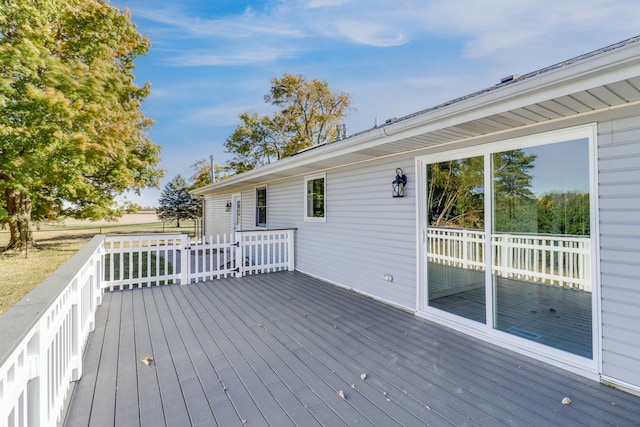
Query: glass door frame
[583, 366]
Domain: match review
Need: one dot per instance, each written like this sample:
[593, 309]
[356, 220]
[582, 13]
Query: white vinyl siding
[619, 188]
[217, 220]
[367, 233]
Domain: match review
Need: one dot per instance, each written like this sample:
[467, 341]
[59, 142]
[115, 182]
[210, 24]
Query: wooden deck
[276, 349]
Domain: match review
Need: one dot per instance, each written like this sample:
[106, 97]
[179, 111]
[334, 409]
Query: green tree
[176, 203]
[307, 114]
[515, 204]
[72, 134]
[255, 142]
[456, 193]
[564, 213]
[202, 173]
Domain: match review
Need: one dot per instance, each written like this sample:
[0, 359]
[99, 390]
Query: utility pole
[213, 170]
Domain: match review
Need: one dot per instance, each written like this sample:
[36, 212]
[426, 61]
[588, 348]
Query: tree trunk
[19, 208]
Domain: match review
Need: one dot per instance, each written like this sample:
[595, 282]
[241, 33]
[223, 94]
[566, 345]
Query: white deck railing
[551, 259]
[134, 260]
[42, 338]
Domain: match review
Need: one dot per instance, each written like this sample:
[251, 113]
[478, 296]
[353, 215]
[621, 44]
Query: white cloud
[243, 55]
[249, 24]
[494, 26]
[370, 33]
[484, 28]
[313, 4]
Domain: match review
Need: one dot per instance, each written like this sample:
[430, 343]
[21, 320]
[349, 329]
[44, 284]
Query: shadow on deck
[276, 349]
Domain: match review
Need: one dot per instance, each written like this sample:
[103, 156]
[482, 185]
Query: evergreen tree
[515, 204]
[177, 204]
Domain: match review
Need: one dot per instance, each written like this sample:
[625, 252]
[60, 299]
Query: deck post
[239, 261]
[291, 266]
[185, 258]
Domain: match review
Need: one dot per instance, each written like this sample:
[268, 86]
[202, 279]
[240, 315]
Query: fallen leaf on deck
[146, 360]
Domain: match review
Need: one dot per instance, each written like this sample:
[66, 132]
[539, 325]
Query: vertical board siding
[619, 210]
[367, 232]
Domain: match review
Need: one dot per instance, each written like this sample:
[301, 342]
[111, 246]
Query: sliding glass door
[541, 244]
[523, 212]
[455, 229]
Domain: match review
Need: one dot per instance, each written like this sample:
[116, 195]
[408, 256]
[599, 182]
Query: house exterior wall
[619, 210]
[217, 220]
[367, 233]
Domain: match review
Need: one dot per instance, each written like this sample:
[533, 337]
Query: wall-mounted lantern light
[228, 208]
[398, 183]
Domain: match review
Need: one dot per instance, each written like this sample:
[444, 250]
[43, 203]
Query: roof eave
[593, 71]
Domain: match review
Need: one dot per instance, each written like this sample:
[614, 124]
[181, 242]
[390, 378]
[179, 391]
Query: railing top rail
[503, 233]
[20, 319]
[266, 229]
[146, 235]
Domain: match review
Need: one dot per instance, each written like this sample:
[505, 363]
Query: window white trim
[257, 207]
[312, 218]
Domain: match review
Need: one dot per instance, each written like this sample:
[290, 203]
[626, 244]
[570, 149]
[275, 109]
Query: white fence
[551, 259]
[42, 338]
[133, 261]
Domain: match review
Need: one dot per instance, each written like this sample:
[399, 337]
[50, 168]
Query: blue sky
[211, 60]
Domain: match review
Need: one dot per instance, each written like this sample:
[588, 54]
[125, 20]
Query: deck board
[194, 338]
[345, 365]
[387, 343]
[197, 405]
[460, 357]
[104, 395]
[368, 409]
[173, 405]
[150, 401]
[126, 403]
[263, 360]
[373, 360]
[84, 389]
[275, 349]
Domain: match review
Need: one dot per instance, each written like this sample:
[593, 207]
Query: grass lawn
[20, 272]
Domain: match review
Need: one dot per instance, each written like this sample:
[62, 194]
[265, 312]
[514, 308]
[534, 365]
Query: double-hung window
[315, 192]
[261, 207]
